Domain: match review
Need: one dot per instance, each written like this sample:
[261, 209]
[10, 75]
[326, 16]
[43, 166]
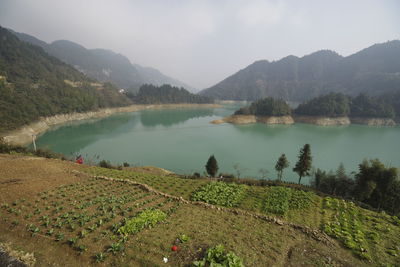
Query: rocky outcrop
[373, 121]
[323, 121]
[276, 119]
[13, 258]
[23, 135]
[239, 119]
[317, 120]
[248, 119]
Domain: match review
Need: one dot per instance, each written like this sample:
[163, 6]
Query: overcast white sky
[202, 42]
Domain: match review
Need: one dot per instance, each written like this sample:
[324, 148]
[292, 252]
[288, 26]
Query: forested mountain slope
[104, 65]
[34, 84]
[374, 71]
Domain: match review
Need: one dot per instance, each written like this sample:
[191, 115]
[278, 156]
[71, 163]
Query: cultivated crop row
[220, 193]
[95, 215]
[279, 200]
[172, 185]
[345, 225]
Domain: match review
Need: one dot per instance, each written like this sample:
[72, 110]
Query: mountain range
[104, 65]
[374, 71]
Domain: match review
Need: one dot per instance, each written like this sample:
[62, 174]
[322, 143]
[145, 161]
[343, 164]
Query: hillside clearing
[63, 216]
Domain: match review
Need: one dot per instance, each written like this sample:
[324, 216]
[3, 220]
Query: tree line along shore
[330, 109]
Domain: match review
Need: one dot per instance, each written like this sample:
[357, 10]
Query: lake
[181, 140]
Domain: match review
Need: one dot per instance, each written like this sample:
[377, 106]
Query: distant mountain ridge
[104, 65]
[374, 70]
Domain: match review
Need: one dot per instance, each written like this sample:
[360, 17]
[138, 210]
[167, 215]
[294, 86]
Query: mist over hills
[104, 65]
[374, 71]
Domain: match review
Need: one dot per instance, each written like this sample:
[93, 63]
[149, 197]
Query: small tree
[281, 164]
[239, 170]
[303, 165]
[212, 166]
[264, 173]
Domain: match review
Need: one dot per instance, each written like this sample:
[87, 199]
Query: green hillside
[34, 84]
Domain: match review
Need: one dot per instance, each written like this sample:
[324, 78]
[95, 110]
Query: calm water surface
[182, 140]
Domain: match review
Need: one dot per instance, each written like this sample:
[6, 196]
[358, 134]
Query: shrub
[105, 164]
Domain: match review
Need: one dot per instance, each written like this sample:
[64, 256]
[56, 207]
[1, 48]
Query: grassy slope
[38, 187]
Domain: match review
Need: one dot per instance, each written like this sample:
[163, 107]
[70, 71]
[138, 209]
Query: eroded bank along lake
[181, 140]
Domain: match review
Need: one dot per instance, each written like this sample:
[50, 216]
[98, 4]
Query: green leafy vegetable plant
[146, 218]
[220, 193]
[216, 256]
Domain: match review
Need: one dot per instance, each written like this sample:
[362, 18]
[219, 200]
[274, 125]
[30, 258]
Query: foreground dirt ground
[257, 242]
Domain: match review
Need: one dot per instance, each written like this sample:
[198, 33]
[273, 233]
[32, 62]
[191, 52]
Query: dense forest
[374, 184]
[34, 84]
[337, 104]
[166, 94]
[266, 107]
[330, 105]
[373, 71]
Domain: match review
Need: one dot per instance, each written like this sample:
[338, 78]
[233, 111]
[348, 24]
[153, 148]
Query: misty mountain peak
[372, 71]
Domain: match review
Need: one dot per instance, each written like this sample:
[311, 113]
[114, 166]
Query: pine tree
[303, 165]
[281, 164]
[212, 166]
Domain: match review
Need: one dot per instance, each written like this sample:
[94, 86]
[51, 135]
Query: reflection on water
[182, 140]
[169, 117]
[82, 134]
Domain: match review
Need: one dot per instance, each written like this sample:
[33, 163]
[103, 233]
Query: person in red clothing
[79, 159]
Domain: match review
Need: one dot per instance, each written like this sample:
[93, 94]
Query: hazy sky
[202, 42]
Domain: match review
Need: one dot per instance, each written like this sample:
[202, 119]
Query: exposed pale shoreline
[316, 120]
[23, 135]
[248, 119]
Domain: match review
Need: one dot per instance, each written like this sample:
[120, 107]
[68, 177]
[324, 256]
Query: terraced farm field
[72, 215]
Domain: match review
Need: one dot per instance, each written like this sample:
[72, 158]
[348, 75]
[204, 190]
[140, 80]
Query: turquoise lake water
[181, 140]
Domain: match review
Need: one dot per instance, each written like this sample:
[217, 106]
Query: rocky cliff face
[323, 121]
[248, 119]
[317, 120]
[373, 121]
[276, 120]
